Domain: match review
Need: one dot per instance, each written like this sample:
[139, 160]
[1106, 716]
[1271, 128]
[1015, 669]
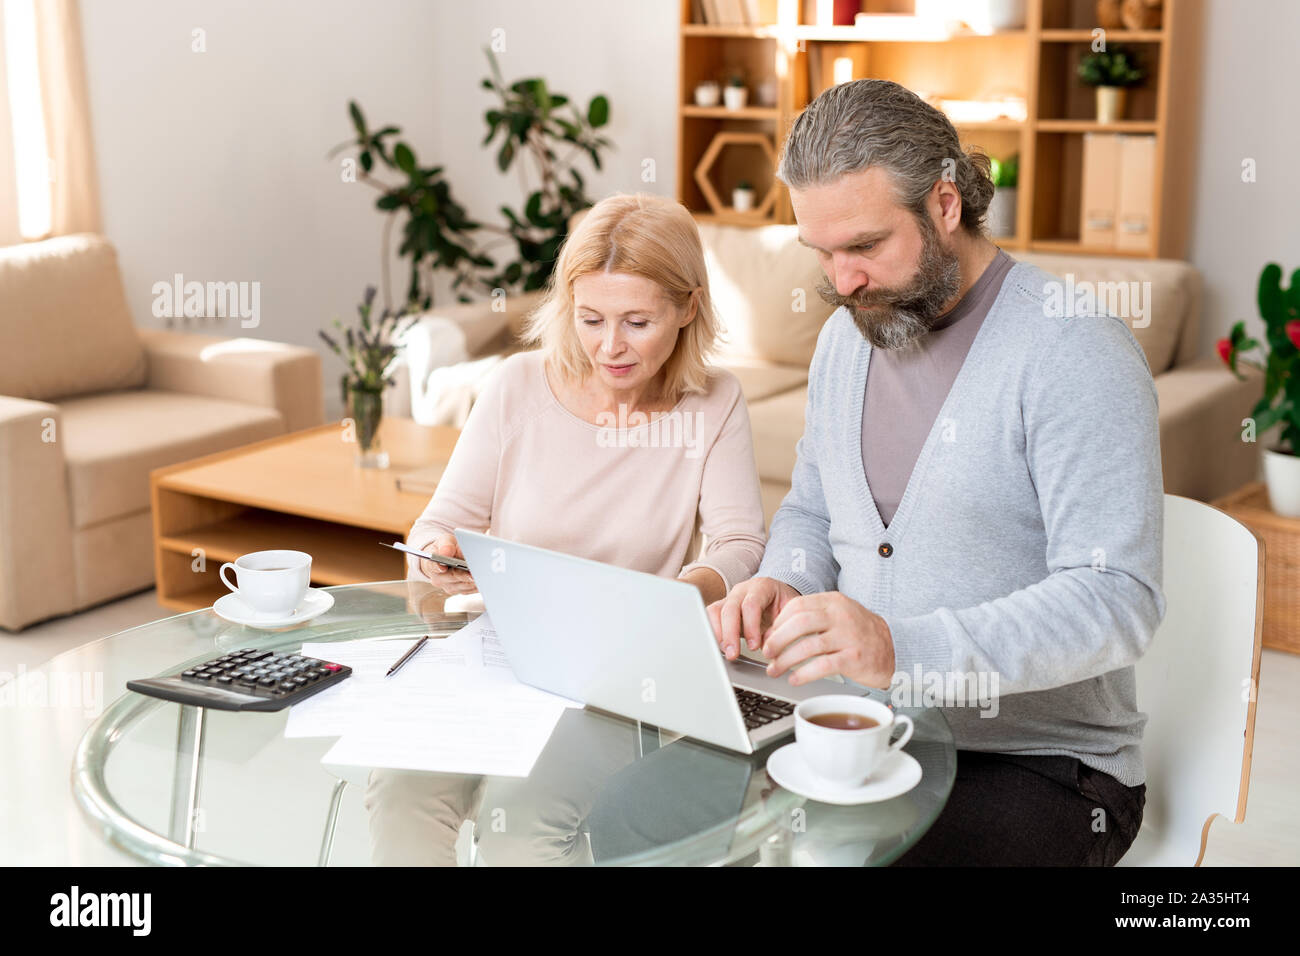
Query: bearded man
[977, 498]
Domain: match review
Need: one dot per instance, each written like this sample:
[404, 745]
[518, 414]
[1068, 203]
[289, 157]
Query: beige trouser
[415, 817]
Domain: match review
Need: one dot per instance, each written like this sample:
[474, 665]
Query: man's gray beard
[897, 320]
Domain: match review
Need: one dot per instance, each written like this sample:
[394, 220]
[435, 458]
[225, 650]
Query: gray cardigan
[1025, 556]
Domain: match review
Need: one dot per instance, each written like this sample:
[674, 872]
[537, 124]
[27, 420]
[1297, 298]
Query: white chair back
[1197, 683]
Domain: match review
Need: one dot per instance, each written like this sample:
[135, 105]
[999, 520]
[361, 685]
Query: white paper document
[455, 707]
[343, 707]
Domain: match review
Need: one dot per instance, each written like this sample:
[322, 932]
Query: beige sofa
[89, 404]
[764, 286]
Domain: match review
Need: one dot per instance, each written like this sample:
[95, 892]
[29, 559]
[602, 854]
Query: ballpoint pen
[407, 656]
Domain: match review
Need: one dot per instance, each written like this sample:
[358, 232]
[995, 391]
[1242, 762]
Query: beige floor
[1269, 837]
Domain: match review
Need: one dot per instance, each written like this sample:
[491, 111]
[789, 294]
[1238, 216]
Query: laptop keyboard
[759, 709]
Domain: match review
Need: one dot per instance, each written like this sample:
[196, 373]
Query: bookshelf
[790, 57]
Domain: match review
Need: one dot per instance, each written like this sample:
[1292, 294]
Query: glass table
[180, 785]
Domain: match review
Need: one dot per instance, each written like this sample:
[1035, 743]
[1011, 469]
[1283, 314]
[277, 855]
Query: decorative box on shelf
[1281, 539]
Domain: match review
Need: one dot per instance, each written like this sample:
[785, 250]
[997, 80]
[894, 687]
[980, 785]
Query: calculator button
[223, 679]
[268, 682]
[188, 674]
[333, 667]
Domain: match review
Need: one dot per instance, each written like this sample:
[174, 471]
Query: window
[31, 161]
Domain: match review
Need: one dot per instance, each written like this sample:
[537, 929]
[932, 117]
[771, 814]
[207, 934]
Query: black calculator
[246, 680]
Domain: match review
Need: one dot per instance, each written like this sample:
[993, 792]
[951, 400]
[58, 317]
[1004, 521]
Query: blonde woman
[611, 441]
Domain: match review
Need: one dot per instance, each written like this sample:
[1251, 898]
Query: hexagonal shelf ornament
[720, 142]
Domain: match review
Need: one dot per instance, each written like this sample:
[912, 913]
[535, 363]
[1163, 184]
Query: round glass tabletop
[181, 785]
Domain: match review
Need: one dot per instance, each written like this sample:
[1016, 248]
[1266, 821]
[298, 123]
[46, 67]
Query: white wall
[213, 164]
[1250, 104]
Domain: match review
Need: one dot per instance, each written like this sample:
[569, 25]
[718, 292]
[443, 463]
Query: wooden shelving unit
[792, 55]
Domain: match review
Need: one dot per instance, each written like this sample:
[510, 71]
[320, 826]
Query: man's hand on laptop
[829, 633]
[451, 580]
[745, 611]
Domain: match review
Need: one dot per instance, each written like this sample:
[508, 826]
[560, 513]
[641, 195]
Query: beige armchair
[764, 287]
[89, 405]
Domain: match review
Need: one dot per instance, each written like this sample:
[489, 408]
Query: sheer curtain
[45, 104]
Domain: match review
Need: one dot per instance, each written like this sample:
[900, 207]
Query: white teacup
[272, 583]
[847, 758]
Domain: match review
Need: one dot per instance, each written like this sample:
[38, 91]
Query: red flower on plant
[1293, 332]
[1225, 350]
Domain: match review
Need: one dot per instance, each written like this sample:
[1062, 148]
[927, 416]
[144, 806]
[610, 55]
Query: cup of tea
[272, 583]
[844, 739]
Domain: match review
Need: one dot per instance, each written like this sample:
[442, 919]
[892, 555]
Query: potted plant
[1002, 207]
[1112, 72]
[736, 95]
[708, 94]
[541, 133]
[368, 352]
[1280, 309]
[742, 197]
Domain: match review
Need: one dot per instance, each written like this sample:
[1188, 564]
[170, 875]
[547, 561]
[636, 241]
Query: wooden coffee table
[301, 491]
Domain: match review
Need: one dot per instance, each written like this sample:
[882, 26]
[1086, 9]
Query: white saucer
[233, 608]
[898, 774]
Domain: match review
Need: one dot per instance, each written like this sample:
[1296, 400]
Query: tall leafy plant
[532, 125]
[437, 233]
[541, 134]
[1280, 309]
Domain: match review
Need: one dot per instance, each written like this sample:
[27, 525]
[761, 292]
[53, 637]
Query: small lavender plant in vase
[368, 352]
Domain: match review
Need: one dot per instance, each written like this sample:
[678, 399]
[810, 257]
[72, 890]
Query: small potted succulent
[1002, 207]
[1112, 72]
[368, 352]
[736, 95]
[1280, 405]
[742, 197]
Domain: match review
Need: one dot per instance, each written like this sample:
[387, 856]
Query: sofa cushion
[764, 289]
[777, 424]
[1163, 317]
[112, 441]
[65, 329]
[759, 380]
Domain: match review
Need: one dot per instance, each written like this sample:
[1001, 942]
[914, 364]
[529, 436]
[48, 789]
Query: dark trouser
[1009, 810]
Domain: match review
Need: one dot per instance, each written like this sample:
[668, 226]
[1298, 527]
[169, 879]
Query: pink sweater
[626, 493]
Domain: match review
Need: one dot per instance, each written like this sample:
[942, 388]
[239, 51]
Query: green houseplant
[436, 231]
[541, 134]
[1112, 71]
[534, 125]
[1280, 404]
[367, 352]
[1002, 207]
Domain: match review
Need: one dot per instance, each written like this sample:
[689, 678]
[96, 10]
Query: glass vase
[366, 409]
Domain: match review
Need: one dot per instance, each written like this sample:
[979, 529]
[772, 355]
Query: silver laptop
[630, 643]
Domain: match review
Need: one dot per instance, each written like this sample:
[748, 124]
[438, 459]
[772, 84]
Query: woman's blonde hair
[642, 235]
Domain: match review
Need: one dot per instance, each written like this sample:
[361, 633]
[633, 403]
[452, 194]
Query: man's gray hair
[880, 123]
